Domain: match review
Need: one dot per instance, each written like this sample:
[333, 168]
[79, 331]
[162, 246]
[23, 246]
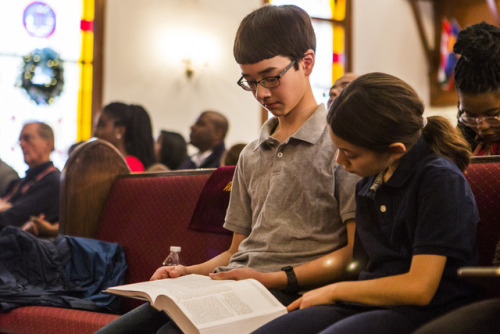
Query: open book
[198, 304]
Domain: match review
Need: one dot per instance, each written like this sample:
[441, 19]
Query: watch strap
[292, 286]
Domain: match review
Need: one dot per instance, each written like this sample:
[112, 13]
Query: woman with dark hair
[477, 79]
[415, 216]
[128, 128]
[171, 149]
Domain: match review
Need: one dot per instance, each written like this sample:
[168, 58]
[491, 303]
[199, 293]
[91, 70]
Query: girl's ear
[397, 150]
[119, 131]
[308, 61]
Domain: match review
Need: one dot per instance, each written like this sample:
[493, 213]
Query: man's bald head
[209, 130]
[339, 85]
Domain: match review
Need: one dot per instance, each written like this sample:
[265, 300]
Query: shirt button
[280, 154]
[383, 208]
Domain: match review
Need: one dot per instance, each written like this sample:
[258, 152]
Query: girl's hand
[169, 272]
[320, 296]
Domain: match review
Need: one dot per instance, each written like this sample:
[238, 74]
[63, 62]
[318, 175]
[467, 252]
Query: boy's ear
[397, 150]
[308, 61]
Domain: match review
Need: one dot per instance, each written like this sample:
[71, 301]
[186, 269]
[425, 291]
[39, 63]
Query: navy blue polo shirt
[426, 207]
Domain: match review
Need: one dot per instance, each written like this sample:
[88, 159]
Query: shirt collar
[310, 131]
[199, 158]
[406, 167]
[33, 172]
[408, 162]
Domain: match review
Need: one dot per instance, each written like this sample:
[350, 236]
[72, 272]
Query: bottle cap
[175, 248]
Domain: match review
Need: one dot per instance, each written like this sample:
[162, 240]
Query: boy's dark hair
[378, 109]
[274, 31]
[138, 132]
[173, 149]
[478, 69]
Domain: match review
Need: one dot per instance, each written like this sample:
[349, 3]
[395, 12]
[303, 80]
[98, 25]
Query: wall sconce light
[194, 49]
[189, 67]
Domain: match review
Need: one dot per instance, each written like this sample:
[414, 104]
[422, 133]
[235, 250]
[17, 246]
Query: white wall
[139, 68]
[385, 39]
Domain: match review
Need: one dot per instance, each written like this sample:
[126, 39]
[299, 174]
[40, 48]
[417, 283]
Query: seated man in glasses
[37, 194]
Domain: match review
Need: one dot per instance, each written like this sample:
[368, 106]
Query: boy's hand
[169, 272]
[242, 273]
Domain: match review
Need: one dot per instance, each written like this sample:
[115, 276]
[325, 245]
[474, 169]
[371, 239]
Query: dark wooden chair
[85, 183]
[484, 159]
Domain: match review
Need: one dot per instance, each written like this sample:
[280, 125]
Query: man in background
[38, 192]
[338, 86]
[207, 135]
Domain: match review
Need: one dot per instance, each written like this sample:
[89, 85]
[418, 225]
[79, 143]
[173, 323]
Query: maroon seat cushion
[148, 214]
[484, 179]
[49, 320]
[211, 208]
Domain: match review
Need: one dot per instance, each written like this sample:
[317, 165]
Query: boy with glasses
[292, 206]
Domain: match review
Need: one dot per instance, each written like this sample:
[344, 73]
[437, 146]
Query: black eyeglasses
[269, 82]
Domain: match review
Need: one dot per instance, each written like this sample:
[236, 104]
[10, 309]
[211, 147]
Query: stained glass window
[45, 73]
[329, 19]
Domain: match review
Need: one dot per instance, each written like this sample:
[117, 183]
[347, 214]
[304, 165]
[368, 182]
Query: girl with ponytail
[128, 128]
[415, 216]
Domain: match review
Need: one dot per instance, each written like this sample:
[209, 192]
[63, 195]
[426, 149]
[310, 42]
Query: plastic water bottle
[174, 258]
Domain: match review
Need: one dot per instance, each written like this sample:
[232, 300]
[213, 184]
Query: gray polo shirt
[290, 199]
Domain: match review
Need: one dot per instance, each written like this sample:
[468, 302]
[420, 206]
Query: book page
[210, 303]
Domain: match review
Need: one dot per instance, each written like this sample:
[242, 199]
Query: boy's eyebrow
[266, 70]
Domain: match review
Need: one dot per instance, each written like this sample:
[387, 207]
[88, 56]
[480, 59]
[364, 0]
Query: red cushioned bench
[146, 214]
[149, 213]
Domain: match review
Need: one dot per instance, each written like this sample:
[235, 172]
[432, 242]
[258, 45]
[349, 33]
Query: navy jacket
[69, 272]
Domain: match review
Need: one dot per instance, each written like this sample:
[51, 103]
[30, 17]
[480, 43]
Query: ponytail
[447, 141]
[139, 136]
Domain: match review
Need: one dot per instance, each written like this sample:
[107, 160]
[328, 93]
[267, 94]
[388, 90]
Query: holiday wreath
[42, 75]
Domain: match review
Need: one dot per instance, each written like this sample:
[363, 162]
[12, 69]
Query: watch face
[39, 20]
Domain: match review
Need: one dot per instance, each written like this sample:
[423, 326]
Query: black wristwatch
[292, 287]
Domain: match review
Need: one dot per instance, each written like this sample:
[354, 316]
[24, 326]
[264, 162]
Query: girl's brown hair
[378, 109]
